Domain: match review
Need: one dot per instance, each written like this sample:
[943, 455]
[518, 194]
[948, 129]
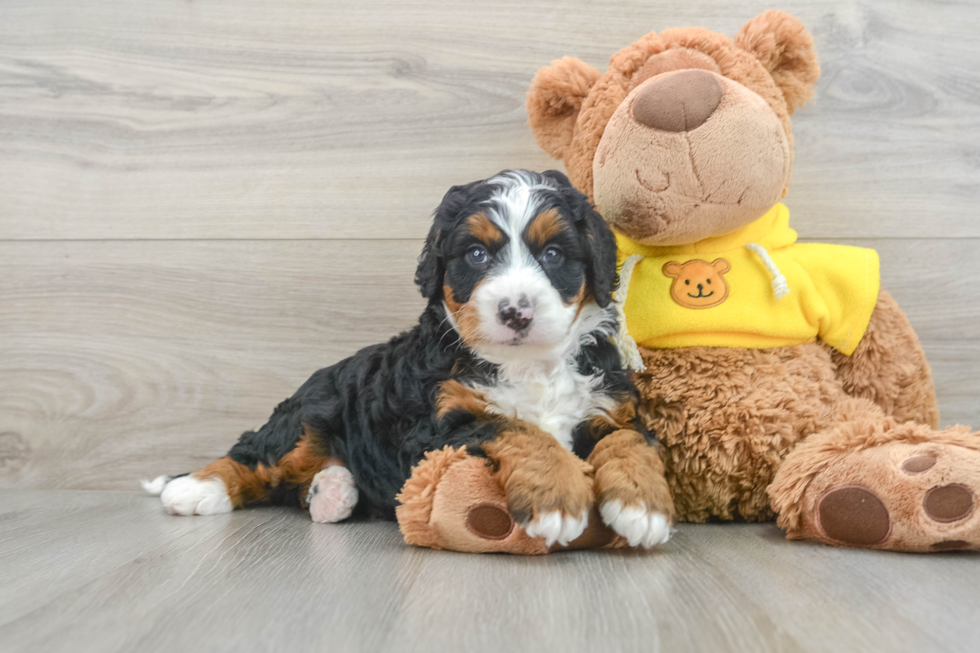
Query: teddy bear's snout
[678, 102]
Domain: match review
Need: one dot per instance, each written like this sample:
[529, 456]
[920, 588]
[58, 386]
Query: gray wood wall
[203, 202]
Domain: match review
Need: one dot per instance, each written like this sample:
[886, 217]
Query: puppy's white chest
[552, 396]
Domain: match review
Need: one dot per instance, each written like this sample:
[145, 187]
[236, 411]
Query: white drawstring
[628, 350]
[779, 286]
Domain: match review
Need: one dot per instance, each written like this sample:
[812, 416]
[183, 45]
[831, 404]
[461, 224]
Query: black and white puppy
[512, 357]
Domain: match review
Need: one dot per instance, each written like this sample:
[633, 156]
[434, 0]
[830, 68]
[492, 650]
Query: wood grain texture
[350, 118]
[119, 359]
[122, 359]
[270, 579]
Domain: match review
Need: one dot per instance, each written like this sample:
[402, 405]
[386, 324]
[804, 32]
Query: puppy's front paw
[549, 489]
[634, 498]
[638, 525]
[557, 527]
[552, 503]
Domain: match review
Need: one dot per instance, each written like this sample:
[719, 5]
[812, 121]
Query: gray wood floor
[110, 571]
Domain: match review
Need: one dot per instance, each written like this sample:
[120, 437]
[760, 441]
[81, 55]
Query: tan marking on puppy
[545, 226]
[296, 468]
[581, 298]
[465, 315]
[299, 466]
[484, 229]
[538, 474]
[621, 417]
[242, 484]
[578, 299]
[630, 470]
[453, 395]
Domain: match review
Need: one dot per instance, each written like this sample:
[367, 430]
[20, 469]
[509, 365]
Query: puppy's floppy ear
[785, 48]
[554, 100]
[558, 177]
[431, 269]
[600, 245]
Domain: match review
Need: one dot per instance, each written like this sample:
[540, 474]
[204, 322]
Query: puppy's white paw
[190, 496]
[555, 527]
[639, 526]
[332, 495]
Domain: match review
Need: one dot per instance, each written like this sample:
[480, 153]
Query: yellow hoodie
[722, 291]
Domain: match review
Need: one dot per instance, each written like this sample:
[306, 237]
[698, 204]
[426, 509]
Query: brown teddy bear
[781, 380]
[792, 387]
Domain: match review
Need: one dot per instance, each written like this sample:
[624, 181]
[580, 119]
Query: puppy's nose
[679, 102]
[517, 317]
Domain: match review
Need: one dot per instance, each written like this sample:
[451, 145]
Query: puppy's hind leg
[220, 487]
[275, 463]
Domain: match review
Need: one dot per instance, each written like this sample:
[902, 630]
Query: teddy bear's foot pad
[899, 496]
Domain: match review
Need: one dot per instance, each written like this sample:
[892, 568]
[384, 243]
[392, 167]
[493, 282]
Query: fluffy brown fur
[295, 470]
[890, 368]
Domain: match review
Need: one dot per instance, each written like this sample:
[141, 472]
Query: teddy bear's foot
[332, 495]
[899, 495]
[452, 501]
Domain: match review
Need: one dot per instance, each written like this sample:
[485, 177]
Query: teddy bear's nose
[679, 102]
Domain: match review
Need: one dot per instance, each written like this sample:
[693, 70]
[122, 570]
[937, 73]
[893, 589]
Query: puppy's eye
[477, 255]
[552, 256]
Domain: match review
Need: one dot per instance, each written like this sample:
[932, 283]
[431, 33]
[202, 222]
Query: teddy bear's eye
[687, 282]
[709, 281]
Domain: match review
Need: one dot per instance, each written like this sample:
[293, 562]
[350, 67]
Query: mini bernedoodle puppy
[512, 358]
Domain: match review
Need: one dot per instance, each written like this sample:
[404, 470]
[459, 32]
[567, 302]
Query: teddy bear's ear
[554, 100]
[671, 269]
[785, 48]
[720, 265]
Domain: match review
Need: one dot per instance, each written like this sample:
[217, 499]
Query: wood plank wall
[203, 202]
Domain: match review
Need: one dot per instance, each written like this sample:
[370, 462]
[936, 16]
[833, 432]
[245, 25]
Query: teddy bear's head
[687, 135]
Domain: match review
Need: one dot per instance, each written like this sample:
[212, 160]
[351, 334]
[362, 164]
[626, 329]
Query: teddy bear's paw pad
[854, 515]
[898, 495]
[948, 503]
[919, 464]
[489, 521]
[332, 495]
[556, 526]
[639, 526]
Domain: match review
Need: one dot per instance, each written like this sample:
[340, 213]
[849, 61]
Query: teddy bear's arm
[890, 368]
